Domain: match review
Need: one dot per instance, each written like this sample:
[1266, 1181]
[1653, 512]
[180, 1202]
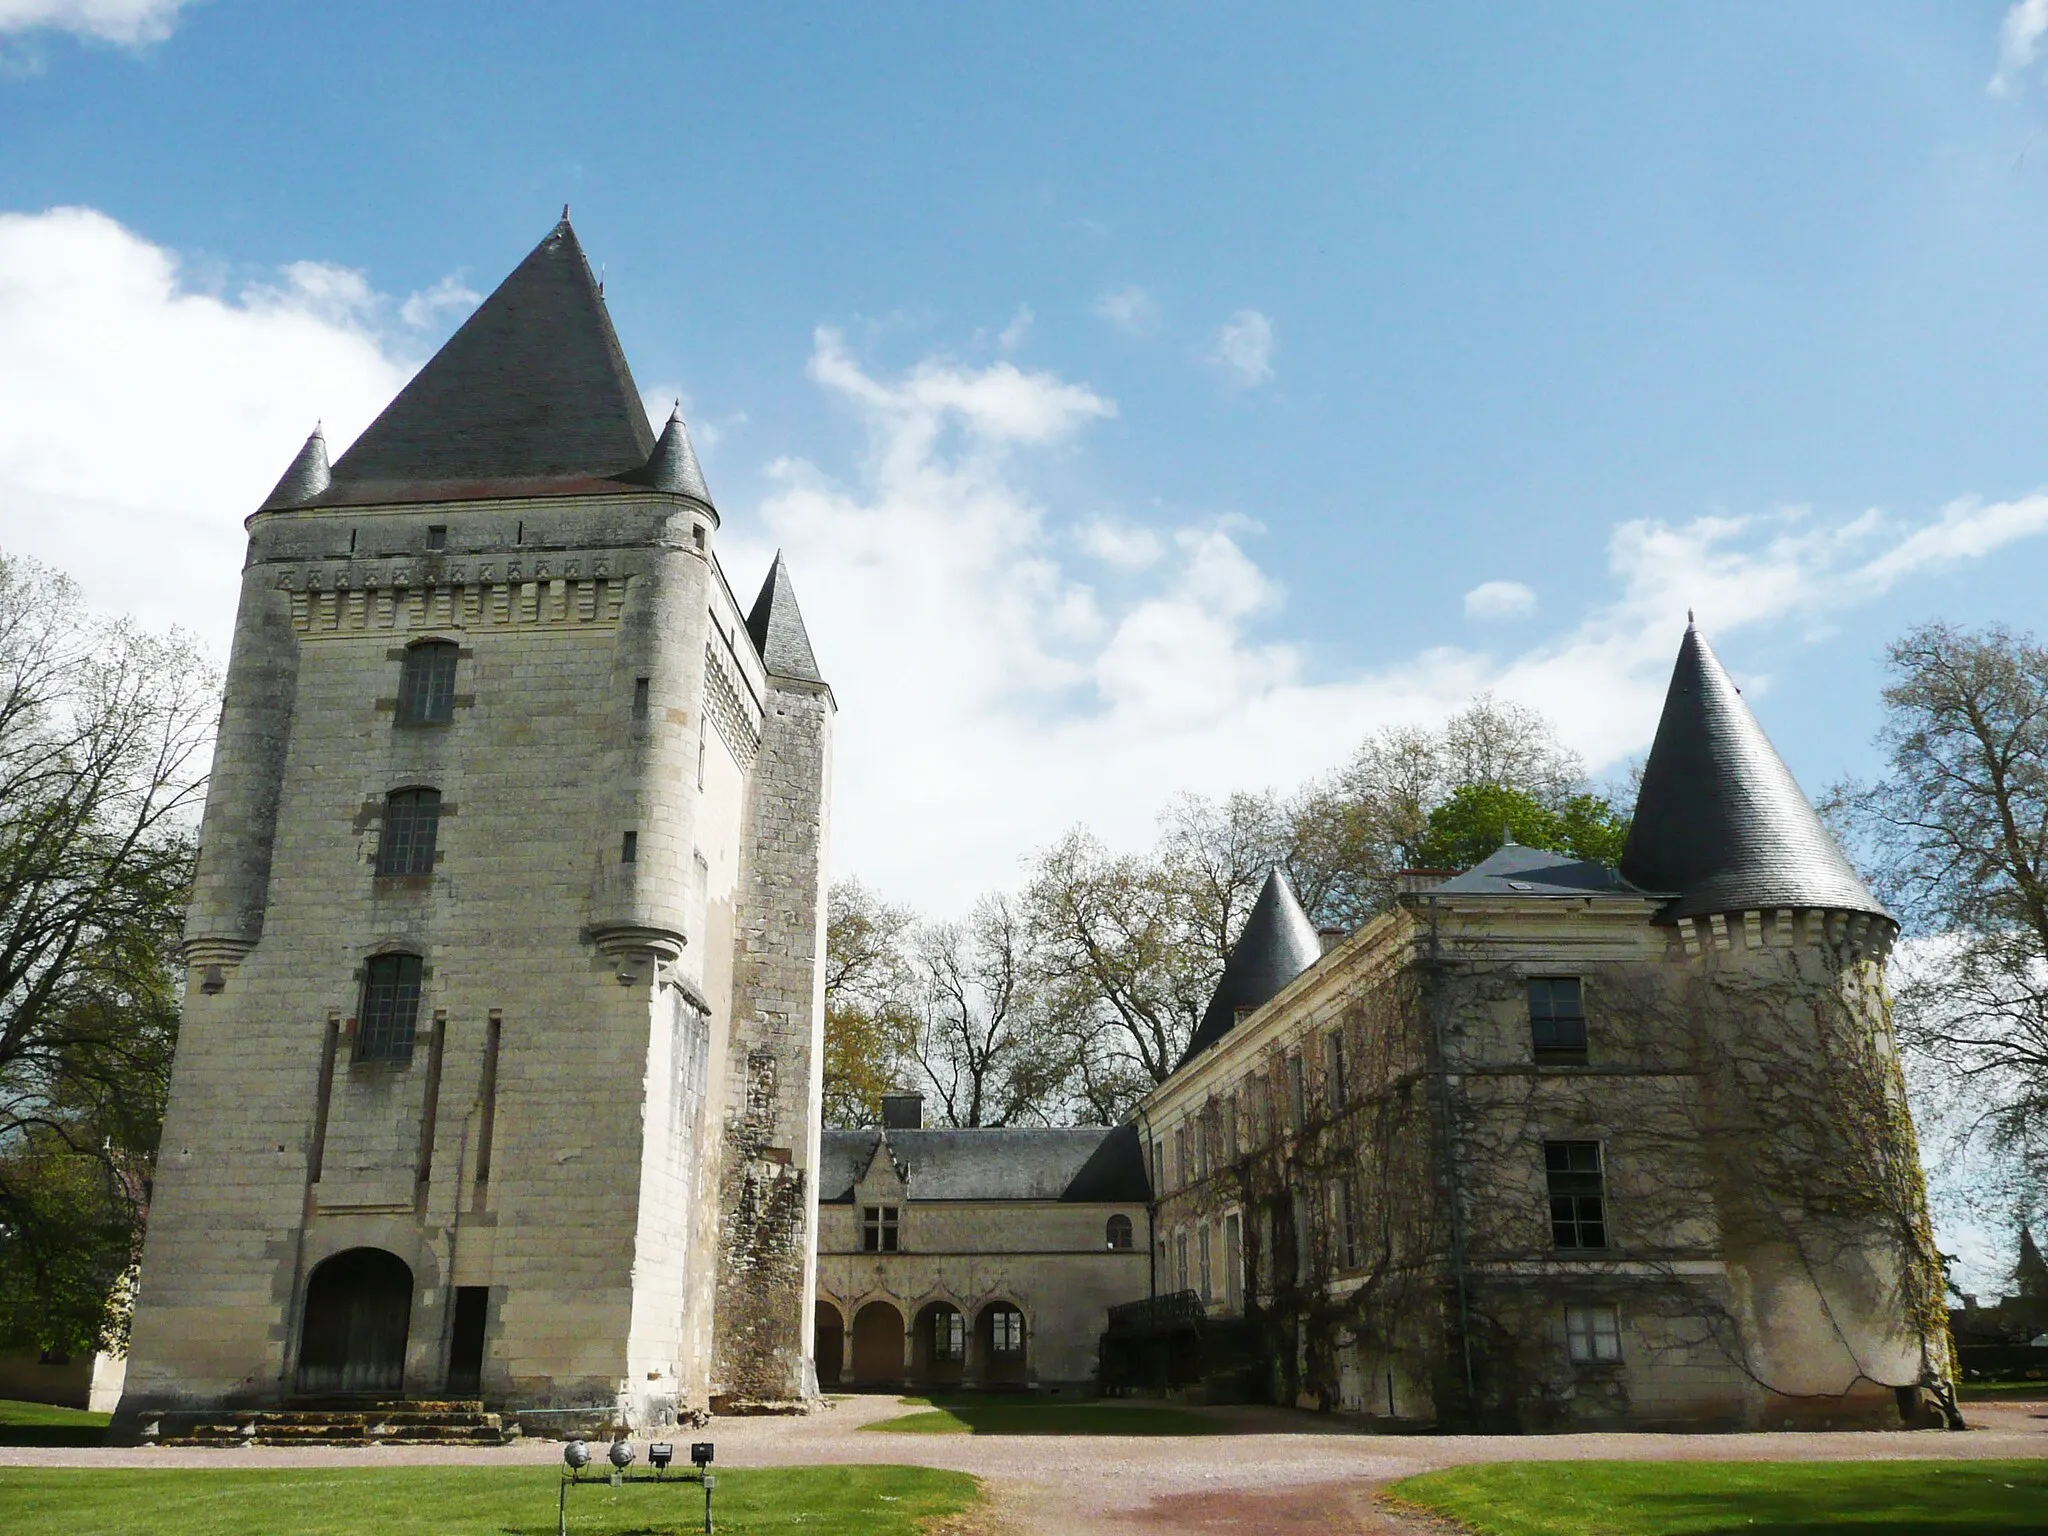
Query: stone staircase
[342, 1422]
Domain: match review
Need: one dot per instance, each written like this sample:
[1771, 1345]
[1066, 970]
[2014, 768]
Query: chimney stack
[903, 1111]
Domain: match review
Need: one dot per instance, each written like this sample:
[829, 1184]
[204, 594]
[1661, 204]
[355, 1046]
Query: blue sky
[1150, 398]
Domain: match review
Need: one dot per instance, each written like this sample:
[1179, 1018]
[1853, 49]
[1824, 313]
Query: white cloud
[141, 421]
[1125, 547]
[1012, 335]
[1131, 310]
[1244, 347]
[422, 309]
[2019, 41]
[1499, 600]
[115, 21]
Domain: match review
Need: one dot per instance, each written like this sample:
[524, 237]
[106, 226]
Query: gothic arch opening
[999, 1333]
[358, 1308]
[828, 1332]
[938, 1346]
[877, 1343]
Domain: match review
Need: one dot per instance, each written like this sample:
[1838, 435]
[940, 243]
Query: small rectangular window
[1557, 1020]
[1592, 1334]
[878, 1229]
[640, 698]
[437, 536]
[629, 848]
[1578, 1195]
[391, 1008]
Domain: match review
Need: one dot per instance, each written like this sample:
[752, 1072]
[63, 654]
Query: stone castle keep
[499, 1065]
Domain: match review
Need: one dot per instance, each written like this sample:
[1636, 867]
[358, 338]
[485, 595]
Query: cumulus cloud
[1131, 310]
[1499, 600]
[1244, 347]
[2019, 42]
[141, 420]
[447, 297]
[114, 21]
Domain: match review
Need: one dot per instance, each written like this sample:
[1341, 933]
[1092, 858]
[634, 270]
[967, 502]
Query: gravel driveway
[1277, 1472]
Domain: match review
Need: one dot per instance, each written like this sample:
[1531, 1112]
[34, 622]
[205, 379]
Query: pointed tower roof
[673, 465]
[1720, 822]
[531, 396]
[1276, 944]
[308, 476]
[778, 628]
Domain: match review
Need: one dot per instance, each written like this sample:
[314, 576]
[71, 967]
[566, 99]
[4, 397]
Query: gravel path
[1277, 1473]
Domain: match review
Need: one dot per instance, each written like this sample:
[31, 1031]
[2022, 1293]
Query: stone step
[406, 1424]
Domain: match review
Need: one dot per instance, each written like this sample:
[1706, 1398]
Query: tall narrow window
[426, 684]
[1333, 1062]
[878, 1228]
[412, 821]
[391, 1008]
[1184, 1171]
[1006, 1330]
[640, 698]
[1344, 1221]
[1230, 1142]
[1578, 1196]
[1180, 1254]
[629, 848]
[1158, 1170]
[1297, 1103]
[1233, 1262]
[1208, 1273]
[1557, 1020]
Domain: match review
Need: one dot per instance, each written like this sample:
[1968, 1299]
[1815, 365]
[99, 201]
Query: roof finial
[1507, 834]
[1688, 618]
[565, 213]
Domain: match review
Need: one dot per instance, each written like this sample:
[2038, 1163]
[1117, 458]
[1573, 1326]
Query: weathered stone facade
[1540, 1149]
[629, 839]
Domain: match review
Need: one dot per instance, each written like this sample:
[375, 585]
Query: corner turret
[1276, 944]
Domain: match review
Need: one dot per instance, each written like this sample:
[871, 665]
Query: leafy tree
[1470, 825]
[869, 1017]
[103, 733]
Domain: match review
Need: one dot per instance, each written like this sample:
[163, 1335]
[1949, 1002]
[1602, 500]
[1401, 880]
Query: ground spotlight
[576, 1454]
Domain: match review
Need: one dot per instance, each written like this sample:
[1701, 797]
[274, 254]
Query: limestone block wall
[546, 1138]
[1047, 1258]
[768, 1204]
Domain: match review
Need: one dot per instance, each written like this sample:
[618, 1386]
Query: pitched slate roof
[1720, 820]
[1091, 1163]
[778, 628]
[1513, 870]
[1276, 944]
[307, 477]
[531, 396]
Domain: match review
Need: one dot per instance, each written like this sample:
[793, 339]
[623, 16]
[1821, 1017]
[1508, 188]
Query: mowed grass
[2002, 1392]
[1003, 1415]
[1622, 1498]
[44, 1425]
[473, 1501]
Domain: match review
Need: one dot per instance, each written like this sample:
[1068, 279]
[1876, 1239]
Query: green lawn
[471, 1501]
[2002, 1391]
[973, 1416]
[41, 1424]
[1623, 1498]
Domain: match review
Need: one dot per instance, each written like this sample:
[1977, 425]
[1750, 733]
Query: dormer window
[878, 1229]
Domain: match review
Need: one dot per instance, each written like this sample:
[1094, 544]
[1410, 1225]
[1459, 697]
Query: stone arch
[829, 1347]
[999, 1326]
[877, 1343]
[357, 1314]
[938, 1349]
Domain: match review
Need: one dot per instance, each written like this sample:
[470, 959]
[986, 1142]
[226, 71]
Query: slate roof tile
[1091, 1163]
[1276, 944]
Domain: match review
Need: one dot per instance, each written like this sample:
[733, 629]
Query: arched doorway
[877, 1343]
[828, 1345]
[938, 1346]
[999, 1337]
[358, 1308]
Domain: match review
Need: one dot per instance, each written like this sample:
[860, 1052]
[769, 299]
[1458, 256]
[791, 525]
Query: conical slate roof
[531, 395]
[1276, 944]
[673, 465]
[308, 476]
[1720, 822]
[778, 628]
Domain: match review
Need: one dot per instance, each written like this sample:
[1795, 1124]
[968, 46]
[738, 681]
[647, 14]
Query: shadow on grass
[1047, 1419]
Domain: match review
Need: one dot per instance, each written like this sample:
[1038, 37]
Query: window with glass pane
[1344, 1221]
[426, 685]
[412, 820]
[1333, 1065]
[391, 1009]
[949, 1337]
[1557, 1020]
[1297, 1104]
[878, 1228]
[1202, 1246]
[1593, 1334]
[1117, 1234]
[1006, 1331]
[1578, 1196]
